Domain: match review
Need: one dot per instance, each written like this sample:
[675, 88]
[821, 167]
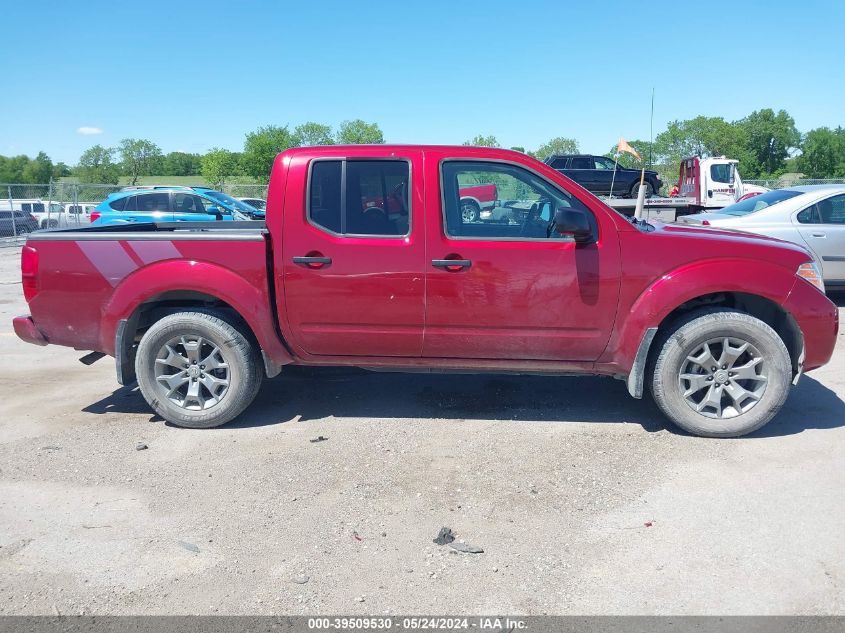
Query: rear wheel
[197, 370]
[470, 211]
[635, 189]
[721, 373]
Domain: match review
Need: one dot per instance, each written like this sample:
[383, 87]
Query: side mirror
[215, 211]
[574, 223]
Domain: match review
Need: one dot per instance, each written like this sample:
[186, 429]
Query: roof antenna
[651, 133]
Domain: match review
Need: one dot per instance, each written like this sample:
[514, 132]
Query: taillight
[95, 215]
[29, 272]
[706, 222]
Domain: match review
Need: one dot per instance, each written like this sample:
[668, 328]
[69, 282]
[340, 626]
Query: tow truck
[703, 184]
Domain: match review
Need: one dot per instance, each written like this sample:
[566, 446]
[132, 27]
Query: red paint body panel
[526, 306]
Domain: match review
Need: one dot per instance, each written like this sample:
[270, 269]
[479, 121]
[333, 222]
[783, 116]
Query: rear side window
[810, 215]
[119, 204]
[559, 163]
[152, 202]
[360, 197]
[581, 162]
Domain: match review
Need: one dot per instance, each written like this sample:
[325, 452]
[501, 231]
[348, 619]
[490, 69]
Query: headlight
[810, 271]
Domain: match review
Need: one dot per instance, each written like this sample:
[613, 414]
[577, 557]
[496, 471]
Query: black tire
[243, 370]
[635, 188]
[690, 335]
[470, 211]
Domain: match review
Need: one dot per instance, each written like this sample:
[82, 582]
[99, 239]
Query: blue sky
[195, 75]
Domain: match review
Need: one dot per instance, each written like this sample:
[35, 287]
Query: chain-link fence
[258, 192]
[791, 181]
[25, 208]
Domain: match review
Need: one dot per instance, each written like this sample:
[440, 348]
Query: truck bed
[90, 278]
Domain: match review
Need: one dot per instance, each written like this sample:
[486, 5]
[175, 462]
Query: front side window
[360, 197]
[723, 172]
[517, 203]
[604, 163]
[187, 203]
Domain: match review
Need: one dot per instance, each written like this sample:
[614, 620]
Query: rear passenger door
[581, 171]
[822, 226]
[353, 256]
[603, 176]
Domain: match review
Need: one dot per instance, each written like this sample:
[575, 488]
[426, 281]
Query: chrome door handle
[451, 264]
[312, 261]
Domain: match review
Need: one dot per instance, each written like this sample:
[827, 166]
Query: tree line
[766, 143]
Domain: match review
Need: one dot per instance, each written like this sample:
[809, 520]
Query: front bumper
[26, 330]
[818, 318]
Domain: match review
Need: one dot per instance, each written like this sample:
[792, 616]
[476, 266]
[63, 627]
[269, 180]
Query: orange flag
[624, 147]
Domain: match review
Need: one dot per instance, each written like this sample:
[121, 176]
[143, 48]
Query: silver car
[812, 216]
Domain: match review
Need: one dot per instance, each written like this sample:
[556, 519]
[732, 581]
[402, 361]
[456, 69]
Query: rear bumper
[818, 318]
[26, 330]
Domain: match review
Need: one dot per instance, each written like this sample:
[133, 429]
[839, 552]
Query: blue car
[171, 204]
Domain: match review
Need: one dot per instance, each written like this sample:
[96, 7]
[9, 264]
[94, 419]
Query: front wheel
[196, 370]
[721, 373]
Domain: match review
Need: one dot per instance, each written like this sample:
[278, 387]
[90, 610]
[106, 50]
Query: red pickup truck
[716, 323]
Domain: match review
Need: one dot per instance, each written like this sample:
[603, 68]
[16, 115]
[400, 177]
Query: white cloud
[87, 131]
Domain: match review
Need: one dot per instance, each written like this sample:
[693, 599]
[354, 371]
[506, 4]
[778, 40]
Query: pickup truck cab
[717, 324]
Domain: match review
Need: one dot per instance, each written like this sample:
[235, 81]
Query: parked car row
[171, 204]
[812, 216]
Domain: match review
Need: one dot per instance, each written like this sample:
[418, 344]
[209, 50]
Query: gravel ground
[582, 499]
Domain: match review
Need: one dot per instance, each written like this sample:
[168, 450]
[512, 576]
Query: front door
[604, 176]
[189, 207]
[514, 290]
[822, 226]
[354, 252]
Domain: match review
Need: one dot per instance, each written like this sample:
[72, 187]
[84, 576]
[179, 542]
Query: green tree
[60, 170]
[310, 133]
[138, 157]
[261, 147]
[97, 165]
[557, 145]
[217, 165]
[180, 164]
[359, 132]
[822, 153]
[482, 141]
[769, 136]
[38, 169]
[23, 169]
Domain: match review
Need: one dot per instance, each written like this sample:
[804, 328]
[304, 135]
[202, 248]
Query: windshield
[758, 203]
[230, 203]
